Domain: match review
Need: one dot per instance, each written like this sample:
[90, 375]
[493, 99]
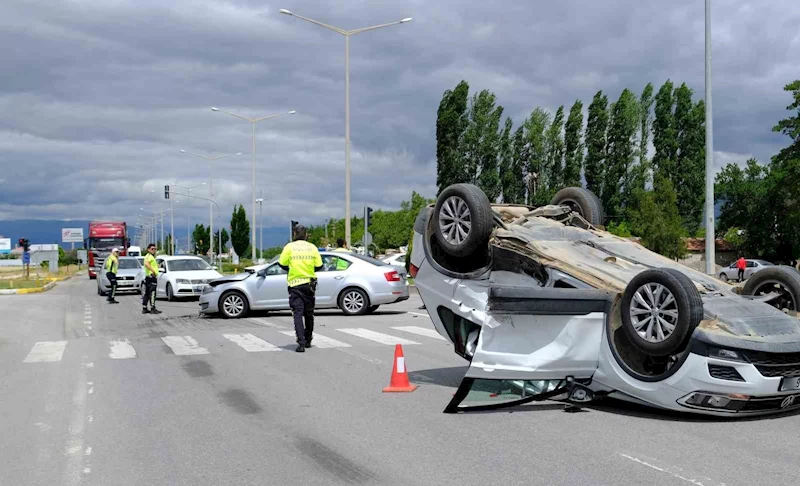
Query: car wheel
[170, 295]
[233, 304]
[583, 202]
[372, 309]
[354, 302]
[660, 310]
[723, 277]
[100, 292]
[462, 219]
[783, 280]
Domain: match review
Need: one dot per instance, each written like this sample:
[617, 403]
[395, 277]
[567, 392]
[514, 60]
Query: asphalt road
[100, 394]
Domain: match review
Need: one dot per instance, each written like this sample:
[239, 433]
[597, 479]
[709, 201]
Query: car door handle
[339, 277]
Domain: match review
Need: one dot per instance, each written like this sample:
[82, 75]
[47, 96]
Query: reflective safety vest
[112, 262]
[301, 257]
[152, 261]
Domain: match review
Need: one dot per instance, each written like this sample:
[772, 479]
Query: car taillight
[392, 276]
[413, 269]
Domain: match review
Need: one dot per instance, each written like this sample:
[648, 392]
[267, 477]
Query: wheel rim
[455, 220]
[233, 305]
[723, 277]
[353, 302]
[785, 301]
[654, 312]
[573, 206]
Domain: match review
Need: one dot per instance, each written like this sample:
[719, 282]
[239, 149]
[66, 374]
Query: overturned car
[545, 304]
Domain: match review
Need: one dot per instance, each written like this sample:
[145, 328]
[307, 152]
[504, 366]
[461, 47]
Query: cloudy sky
[98, 97]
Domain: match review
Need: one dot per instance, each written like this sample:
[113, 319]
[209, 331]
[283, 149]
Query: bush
[619, 229]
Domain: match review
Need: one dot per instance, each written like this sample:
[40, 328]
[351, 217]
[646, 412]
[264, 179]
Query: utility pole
[710, 236]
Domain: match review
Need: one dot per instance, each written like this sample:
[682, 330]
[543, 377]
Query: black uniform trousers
[149, 291]
[301, 300]
[112, 278]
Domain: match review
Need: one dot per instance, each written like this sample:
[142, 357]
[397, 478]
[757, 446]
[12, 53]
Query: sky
[99, 97]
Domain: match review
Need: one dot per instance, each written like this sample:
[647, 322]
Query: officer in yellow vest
[341, 246]
[111, 265]
[302, 260]
[150, 281]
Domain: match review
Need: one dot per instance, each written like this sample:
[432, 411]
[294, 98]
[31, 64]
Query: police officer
[301, 259]
[150, 281]
[111, 265]
[341, 245]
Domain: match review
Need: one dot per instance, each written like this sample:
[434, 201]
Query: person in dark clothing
[302, 260]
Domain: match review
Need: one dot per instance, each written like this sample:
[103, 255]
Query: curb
[28, 291]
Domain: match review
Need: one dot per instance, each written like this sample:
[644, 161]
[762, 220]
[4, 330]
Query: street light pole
[253, 122]
[347, 34]
[710, 234]
[188, 215]
[260, 202]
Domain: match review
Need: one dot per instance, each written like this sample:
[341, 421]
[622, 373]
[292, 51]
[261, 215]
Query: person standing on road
[111, 265]
[302, 260]
[741, 265]
[341, 245]
[150, 281]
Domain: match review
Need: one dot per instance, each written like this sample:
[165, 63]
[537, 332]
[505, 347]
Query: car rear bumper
[391, 295]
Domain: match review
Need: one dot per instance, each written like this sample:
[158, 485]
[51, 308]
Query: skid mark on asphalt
[198, 369]
[674, 471]
[240, 401]
[334, 463]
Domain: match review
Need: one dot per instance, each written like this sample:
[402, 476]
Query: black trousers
[149, 292]
[112, 278]
[741, 274]
[301, 300]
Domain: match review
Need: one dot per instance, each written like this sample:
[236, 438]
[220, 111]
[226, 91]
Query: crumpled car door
[533, 343]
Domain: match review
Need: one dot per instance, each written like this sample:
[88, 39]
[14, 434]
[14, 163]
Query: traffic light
[369, 216]
[25, 244]
[166, 192]
[294, 223]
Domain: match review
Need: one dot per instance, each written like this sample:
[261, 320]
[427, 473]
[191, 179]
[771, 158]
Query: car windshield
[128, 264]
[105, 243]
[765, 263]
[188, 264]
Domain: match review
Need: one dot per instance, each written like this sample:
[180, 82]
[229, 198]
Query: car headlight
[727, 354]
[182, 281]
[208, 289]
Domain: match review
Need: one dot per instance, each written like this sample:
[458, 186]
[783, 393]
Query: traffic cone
[399, 382]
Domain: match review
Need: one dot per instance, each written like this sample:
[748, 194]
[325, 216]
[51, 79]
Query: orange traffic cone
[399, 382]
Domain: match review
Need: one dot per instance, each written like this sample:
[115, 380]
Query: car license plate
[790, 383]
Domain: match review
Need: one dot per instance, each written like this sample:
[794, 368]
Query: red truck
[103, 237]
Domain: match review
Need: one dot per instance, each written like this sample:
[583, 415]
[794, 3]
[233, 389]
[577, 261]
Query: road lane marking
[183, 345]
[673, 471]
[422, 331]
[264, 322]
[121, 350]
[320, 341]
[378, 337]
[45, 351]
[251, 343]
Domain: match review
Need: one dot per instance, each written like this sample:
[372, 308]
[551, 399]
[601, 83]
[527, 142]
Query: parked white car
[751, 266]
[183, 276]
[396, 260]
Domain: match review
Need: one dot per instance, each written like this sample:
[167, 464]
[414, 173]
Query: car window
[128, 263]
[331, 263]
[764, 263]
[751, 264]
[275, 270]
[188, 265]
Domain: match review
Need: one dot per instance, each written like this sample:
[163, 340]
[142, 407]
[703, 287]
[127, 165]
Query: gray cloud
[100, 97]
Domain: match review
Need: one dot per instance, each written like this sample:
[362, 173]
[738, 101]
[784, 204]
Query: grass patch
[22, 284]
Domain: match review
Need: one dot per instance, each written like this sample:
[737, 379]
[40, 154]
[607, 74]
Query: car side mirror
[214, 267]
[162, 270]
[262, 273]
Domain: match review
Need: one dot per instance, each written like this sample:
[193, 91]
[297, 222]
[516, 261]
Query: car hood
[196, 274]
[229, 278]
[129, 272]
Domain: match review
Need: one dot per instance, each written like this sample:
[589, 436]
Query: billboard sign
[72, 235]
[5, 245]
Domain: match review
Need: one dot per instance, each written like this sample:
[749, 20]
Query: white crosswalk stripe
[183, 345]
[121, 349]
[422, 331]
[251, 343]
[46, 351]
[320, 341]
[378, 337]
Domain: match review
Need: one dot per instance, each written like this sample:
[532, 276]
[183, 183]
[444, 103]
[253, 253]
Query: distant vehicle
[130, 275]
[103, 237]
[134, 251]
[732, 273]
[360, 288]
[396, 260]
[183, 276]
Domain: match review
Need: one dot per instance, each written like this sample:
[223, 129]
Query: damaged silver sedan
[545, 304]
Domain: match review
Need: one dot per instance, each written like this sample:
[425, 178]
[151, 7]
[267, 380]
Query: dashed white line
[121, 349]
[183, 345]
[320, 341]
[378, 337]
[46, 351]
[675, 472]
[422, 331]
[88, 451]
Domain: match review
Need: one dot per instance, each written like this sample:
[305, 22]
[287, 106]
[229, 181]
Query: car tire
[372, 309]
[170, 295]
[100, 292]
[583, 202]
[233, 304]
[784, 279]
[723, 277]
[683, 312]
[462, 219]
[354, 302]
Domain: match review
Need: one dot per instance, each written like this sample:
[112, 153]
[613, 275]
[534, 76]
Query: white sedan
[183, 276]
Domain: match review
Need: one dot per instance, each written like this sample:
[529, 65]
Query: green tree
[508, 179]
[596, 127]
[641, 172]
[664, 133]
[554, 170]
[240, 231]
[450, 124]
[536, 145]
[201, 237]
[657, 221]
[573, 158]
[479, 144]
[784, 186]
[223, 237]
[519, 163]
[617, 194]
[689, 177]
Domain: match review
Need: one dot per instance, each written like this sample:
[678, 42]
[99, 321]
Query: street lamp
[347, 34]
[210, 195]
[710, 235]
[260, 202]
[160, 214]
[253, 122]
